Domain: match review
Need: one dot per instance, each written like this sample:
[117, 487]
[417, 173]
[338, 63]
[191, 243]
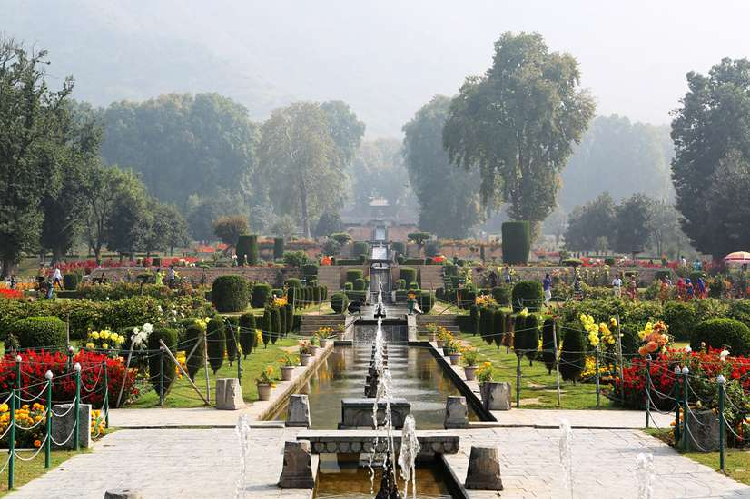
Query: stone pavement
[168, 463]
[604, 466]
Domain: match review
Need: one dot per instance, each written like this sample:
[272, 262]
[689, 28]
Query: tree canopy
[448, 196]
[711, 135]
[517, 124]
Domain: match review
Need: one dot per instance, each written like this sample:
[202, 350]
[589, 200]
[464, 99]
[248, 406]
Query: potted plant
[470, 357]
[442, 332]
[288, 365]
[324, 334]
[454, 354]
[432, 329]
[306, 352]
[496, 396]
[264, 383]
[315, 344]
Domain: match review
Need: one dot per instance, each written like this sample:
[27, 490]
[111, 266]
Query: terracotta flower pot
[324, 342]
[304, 359]
[264, 392]
[469, 372]
[287, 373]
[454, 358]
[431, 337]
[439, 343]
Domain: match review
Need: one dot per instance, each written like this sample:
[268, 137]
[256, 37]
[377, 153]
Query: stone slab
[63, 424]
[229, 394]
[358, 413]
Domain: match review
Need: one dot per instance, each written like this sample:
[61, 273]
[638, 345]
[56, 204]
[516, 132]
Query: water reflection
[415, 374]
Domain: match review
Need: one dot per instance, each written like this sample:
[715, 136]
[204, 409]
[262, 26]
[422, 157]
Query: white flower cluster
[141, 336]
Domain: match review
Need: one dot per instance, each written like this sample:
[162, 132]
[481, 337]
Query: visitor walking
[171, 276]
[13, 281]
[546, 284]
[577, 288]
[633, 288]
[701, 289]
[506, 275]
[41, 274]
[681, 287]
[683, 261]
[159, 277]
[617, 284]
[689, 290]
[697, 265]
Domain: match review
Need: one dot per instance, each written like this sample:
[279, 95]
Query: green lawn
[443, 308]
[538, 388]
[183, 395]
[736, 460]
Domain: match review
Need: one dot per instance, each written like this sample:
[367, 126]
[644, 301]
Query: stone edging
[469, 389]
[260, 410]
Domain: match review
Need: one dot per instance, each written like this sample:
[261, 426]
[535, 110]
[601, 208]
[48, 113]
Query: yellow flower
[105, 345]
[90, 346]
[94, 335]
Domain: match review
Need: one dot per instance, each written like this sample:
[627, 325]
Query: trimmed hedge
[193, 336]
[499, 326]
[527, 294]
[353, 275]
[398, 247]
[161, 366]
[426, 301]
[247, 246]
[359, 285]
[356, 296]
[230, 293]
[409, 274]
[532, 335]
[515, 242]
[520, 341]
[265, 327]
[502, 294]
[215, 343]
[549, 348]
[261, 295]
[70, 281]
[719, 333]
[35, 332]
[474, 319]
[310, 271]
[293, 282]
[276, 324]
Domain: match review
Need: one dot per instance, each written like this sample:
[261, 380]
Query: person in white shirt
[617, 283]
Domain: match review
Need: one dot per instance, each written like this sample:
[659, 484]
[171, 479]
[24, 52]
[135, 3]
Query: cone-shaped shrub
[474, 319]
[278, 248]
[194, 337]
[282, 321]
[265, 327]
[215, 342]
[532, 326]
[549, 348]
[275, 323]
[519, 338]
[161, 367]
[499, 326]
[339, 302]
[515, 241]
[231, 337]
[571, 362]
[247, 333]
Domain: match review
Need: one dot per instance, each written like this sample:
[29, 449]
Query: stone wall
[272, 275]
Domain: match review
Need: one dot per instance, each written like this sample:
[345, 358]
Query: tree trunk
[7, 268]
[98, 254]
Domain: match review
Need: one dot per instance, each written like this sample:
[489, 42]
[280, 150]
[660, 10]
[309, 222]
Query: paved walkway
[198, 463]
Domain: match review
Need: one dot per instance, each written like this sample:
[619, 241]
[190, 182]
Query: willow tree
[303, 165]
[518, 122]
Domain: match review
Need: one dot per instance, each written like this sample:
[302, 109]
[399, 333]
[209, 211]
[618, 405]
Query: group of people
[46, 281]
[686, 289]
[632, 287]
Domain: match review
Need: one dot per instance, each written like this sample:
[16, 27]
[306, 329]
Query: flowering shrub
[655, 338]
[104, 339]
[35, 364]
[597, 333]
[470, 356]
[266, 377]
[704, 367]
[485, 373]
[11, 294]
[486, 301]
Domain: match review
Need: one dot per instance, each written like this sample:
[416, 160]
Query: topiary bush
[70, 281]
[486, 324]
[359, 285]
[278, 248]
[36, 332]
[426, 301]
[161, 366]
[310, 271]
[194, 337]
[359, 248]
[215, 342]
[549, 348]
[520, 344]
[502, 294]
[230, 293]
[474, 319]
[720, 333]
[532, 336]
[401, 284]
[231, 337]
[261, 295]
[276, 324]
[409, 274]
[572, 356]
[353, 275]
[499, 326]
[339, 303]
[265, 327]
[398, 247]
[527, 294]
[515, 242]
[247, 246]
[681, 319]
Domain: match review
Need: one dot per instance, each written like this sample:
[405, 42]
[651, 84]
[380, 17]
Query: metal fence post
[557, 372]
[677, 395]
[48, 417]
[106, 399]
[70, 358]
[684, 430]
[721, 390]
[646, 389]
[76, 405]
[518, 378]
[15, 392]
[239, 367]
[161, 376]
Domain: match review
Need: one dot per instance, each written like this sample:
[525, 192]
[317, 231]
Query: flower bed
[27, 416]
[35, 364]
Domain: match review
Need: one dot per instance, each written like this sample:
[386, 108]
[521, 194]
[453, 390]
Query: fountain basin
[362, 441]
[358, 413]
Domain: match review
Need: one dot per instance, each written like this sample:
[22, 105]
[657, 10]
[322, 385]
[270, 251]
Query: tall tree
[711, 125]
[449, 203]
[183, 144]
[303, 163]
[129, 224]
[378, 171]
[229, 229]
[345, 128]
[633, 223]
[517, 123]
[29, 114]
[174, 226]
[728, 204]
[589, 224]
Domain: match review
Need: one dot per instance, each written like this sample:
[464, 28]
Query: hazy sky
[385, 58]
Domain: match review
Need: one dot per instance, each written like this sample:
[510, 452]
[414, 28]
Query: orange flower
[651, 346]
[37, 443]
[643, 350]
